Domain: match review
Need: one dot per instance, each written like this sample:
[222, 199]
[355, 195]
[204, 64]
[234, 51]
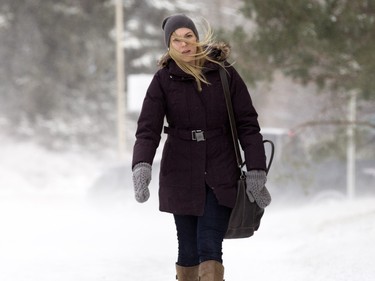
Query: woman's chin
[187, 59]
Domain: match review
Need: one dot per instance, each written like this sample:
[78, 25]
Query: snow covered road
[53, 229]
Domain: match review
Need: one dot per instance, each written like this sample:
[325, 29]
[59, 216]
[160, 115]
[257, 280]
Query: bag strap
[228, 101]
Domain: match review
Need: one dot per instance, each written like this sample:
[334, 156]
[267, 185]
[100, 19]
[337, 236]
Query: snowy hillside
[72, 217]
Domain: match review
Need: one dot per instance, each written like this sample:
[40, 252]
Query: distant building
[136, 91]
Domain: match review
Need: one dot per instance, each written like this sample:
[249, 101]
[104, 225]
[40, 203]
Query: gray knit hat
[171, 23]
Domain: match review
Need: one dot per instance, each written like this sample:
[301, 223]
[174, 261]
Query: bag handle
[228, 101]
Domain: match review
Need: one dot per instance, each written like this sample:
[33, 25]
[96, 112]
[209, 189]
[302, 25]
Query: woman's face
[182, 41]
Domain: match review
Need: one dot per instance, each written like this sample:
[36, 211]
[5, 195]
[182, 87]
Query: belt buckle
[197, 135]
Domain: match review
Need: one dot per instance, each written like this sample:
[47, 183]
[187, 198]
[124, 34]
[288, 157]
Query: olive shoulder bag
[246, 215]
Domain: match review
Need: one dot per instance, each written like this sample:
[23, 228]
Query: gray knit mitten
[256, 189]
[141, 180]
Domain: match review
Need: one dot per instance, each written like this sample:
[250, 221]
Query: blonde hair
[202, 55]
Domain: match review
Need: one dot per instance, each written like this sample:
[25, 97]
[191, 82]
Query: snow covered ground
[58, 223]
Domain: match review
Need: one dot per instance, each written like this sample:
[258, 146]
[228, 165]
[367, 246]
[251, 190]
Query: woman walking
[198, 171]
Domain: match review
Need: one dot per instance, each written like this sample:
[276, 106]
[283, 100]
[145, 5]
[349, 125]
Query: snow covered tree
[57, 72]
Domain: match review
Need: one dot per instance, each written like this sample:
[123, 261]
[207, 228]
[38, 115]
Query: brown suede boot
[211, 271]
[189, 273]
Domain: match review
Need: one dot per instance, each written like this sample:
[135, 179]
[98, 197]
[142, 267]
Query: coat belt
[195, 135]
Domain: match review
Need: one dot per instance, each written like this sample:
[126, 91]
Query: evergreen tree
[328, 42]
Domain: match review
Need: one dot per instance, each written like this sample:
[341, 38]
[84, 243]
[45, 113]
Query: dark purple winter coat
[188, 165]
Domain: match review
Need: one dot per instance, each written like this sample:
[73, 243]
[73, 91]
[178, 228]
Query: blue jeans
[201, 238]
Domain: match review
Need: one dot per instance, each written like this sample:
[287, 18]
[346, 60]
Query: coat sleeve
[247, 123]
[150, 123]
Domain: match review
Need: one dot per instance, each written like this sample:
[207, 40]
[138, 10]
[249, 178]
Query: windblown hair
[202, 55]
